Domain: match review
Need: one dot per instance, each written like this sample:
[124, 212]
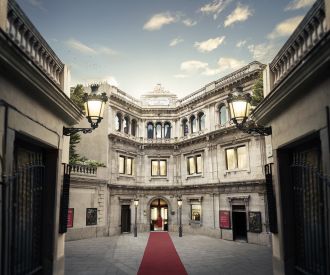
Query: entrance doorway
[158, 215]
[125, 219]
[239, 223]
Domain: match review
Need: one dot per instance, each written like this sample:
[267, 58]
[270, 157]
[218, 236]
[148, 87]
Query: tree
[77, 94]
[258, 91]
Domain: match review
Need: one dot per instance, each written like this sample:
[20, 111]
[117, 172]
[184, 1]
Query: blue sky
[181, 44]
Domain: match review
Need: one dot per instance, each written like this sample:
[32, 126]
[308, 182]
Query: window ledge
[234, 171]
[158, 178]
[195, 176]
[126, 176]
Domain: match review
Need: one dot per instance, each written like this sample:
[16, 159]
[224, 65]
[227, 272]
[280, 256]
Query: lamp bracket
[72, 131]
[250, 127]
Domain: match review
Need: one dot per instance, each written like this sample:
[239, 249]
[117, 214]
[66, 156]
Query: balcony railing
[308, 33]
[83, 169]
[25, 36]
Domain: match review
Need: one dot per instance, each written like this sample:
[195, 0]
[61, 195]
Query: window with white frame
[125, 165]
[194, 165]
[159, 168]
[236, 158]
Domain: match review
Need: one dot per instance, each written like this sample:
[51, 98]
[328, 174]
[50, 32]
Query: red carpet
[160, 257]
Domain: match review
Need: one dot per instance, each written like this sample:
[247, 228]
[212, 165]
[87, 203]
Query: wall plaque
[255, 225]
[70, 217]
[91, 216]
[224, 219]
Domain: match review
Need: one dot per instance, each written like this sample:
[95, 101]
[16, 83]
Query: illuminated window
[158, 168]
[236, 158]
[125, 165]
[196, 212]
[195, 165]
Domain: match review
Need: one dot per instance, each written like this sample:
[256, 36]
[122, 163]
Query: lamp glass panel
[162, 167]
[231, 110]
[121, 165]
[179, 202]
[154, 168]
[240, 109]
[94, 108]
[102, 109]
[199, 164]
[136, 202]
[231, 159]
[241, 157]
[129, 166]
[191, 165]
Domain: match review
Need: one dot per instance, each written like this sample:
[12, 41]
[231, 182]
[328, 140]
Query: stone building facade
[161, 148]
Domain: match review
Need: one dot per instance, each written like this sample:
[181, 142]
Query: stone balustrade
[124, 96]
[29, 40]
[308, 33]
[83, 169]
[222, 82]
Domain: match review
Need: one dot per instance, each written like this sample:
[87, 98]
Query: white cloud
[215, 7]
[299, 4]
[176, 41]
[241, 13]
[37, 4]
[210, 44]
[79, 46]
[157, 21]
[189, 22]
[107, 51]
[240, 43]
[285, 28]
[191, 66]
[264, 52]
[111, 80]
[223, 64]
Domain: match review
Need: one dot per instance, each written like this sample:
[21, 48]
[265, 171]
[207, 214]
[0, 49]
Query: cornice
[16, 64]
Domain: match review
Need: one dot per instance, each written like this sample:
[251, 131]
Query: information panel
[91, 216]
[70, 217]
[255, 225]
[224, 219]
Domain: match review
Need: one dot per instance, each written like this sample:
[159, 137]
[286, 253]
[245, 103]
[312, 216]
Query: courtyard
[199, 254]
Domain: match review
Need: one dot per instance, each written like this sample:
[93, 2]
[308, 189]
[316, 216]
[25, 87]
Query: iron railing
[26, 192]
[311, 217]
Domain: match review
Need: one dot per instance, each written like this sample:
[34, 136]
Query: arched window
[158, 130]
[223, 115]
[185, 127]
[133, 127]
[118, 122]
[150, 130]
[167, 130]
[126, 125]
[193, 124]
[201, 121]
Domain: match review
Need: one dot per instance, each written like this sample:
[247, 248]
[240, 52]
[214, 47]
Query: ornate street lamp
[180, 216]
[239, 111]
[136, 203]
[94, 104]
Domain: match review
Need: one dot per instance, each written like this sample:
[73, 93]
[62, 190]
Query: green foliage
[89, 162]
[258, 94]
[77, 94]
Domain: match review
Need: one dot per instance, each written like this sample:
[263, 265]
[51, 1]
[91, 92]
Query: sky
[181, 44]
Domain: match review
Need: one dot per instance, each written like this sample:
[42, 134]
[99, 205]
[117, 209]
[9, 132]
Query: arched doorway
[158, 215]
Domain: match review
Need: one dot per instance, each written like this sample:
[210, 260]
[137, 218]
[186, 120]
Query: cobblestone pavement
[200, 255]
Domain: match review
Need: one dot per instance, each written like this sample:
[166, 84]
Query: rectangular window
[158, 168]
[125, 165]
[236, 158]
[196, 212]
[195, 165]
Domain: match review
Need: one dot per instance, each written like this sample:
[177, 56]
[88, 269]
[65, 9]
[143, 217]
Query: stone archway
[158, 208]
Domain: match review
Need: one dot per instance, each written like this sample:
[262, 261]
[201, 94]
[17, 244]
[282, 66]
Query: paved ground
[200, 255]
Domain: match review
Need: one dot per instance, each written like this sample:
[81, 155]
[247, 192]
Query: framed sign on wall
[255, 224]
[70, 217]
[224, 219]
[91, 216]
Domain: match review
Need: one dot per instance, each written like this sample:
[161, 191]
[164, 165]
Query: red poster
[224, 217]
[70, 217]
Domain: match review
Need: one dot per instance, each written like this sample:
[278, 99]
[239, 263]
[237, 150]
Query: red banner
[70, 217]
[224, 219]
